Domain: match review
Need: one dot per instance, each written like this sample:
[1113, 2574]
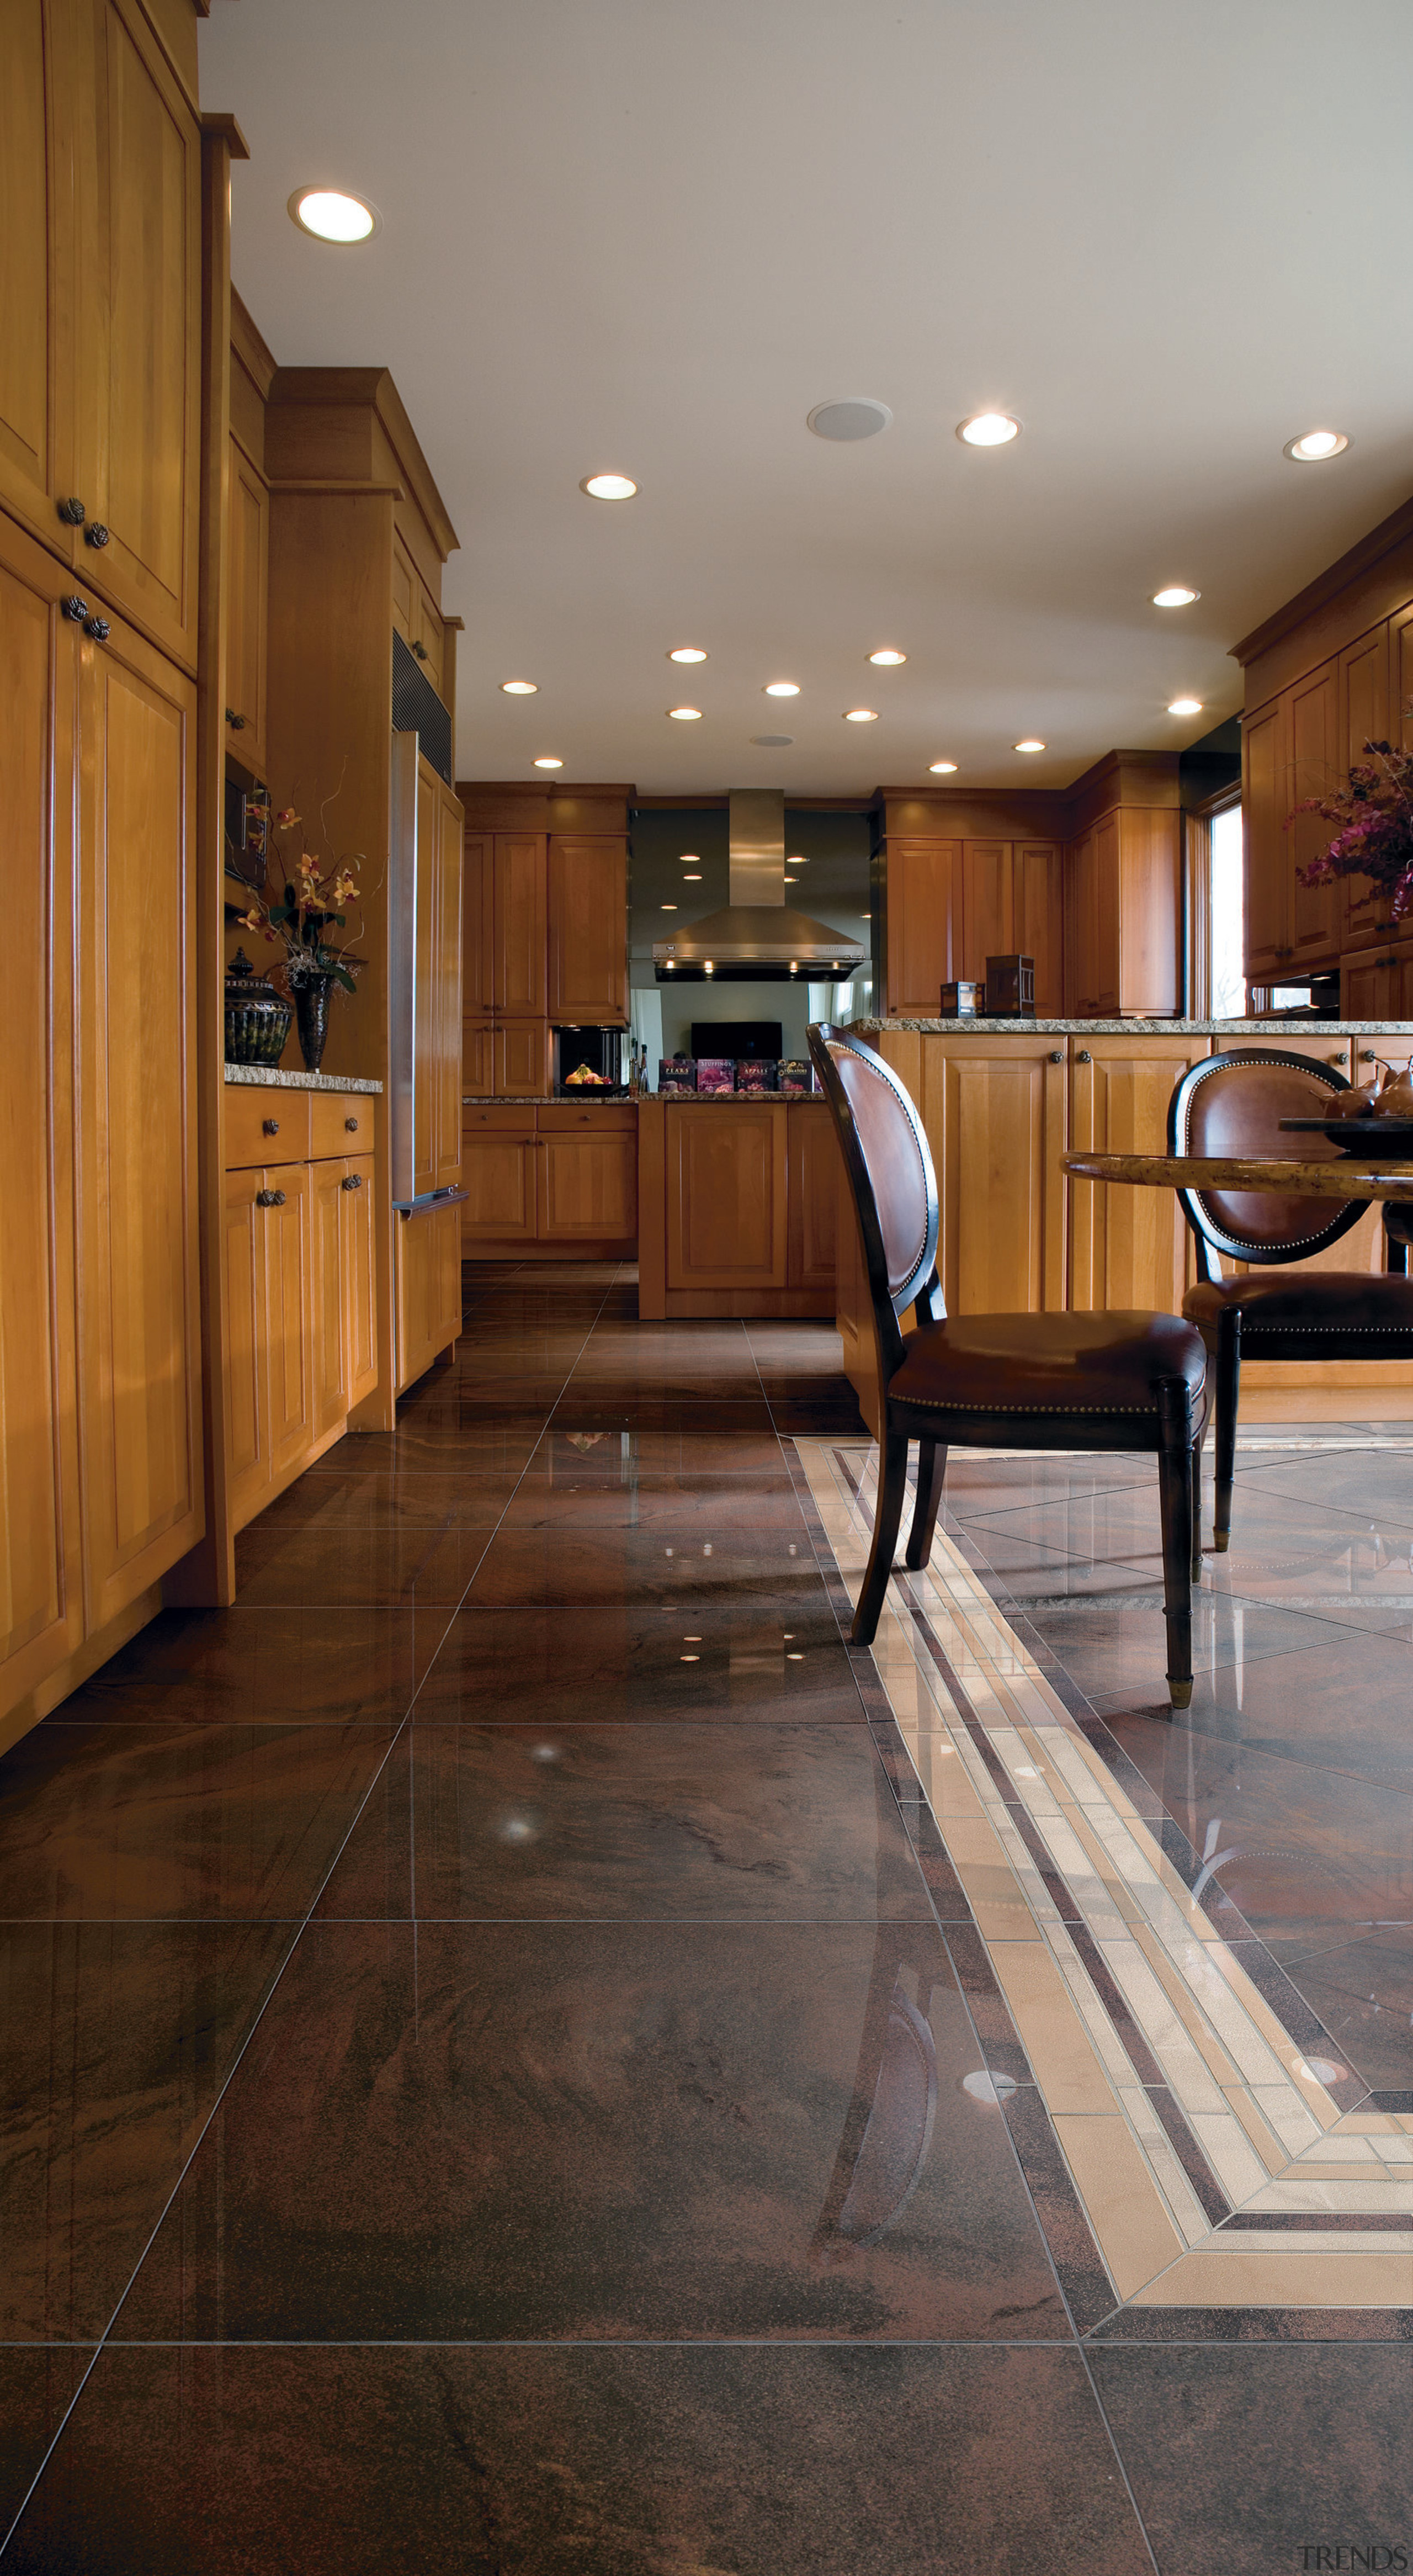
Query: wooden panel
[1400, 657]
[428, 1271]
[587, 1185]
[138, 178]
[1376, 987]
[996, 1114]
[1128, 1248]
[426, 1090]
[428, 640]
[923, 885]
[1315, 911]
[608, 1118]
[478, 925]
[477, 1056]
[139, 1332]
[498, 1176]
[812, 1183]
[36, 348]
[519, 966]
[588, 930]
[245, 1340]
[446, 998]
[359, 1274]
[1364, 717]
[247, 605]
[1144, 905]
[41, 1590]
[445, 1228]
[1267, 860]
[330, 1340]
[404, 592]
[1037, 882]
[289, 1275]
[496, 1121]
[726, 1196]
[340, 1122]
[520, 1059]
[988, 908]
[265, 1124]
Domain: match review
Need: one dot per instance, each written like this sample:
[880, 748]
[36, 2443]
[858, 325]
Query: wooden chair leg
[1197, 1509]
[931, 1469]
[892, 1493]
[1228, 1394]
[1175, 1461]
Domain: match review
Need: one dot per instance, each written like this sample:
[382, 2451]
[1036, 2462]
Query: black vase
[311, 1012]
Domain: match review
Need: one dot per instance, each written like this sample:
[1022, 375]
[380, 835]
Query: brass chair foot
[1180, 1693]
[1221, 1541]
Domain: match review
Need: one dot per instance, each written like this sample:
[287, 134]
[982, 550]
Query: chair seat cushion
[1107, 1363]
[1313, 1301]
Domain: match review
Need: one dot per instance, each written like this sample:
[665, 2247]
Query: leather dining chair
[1233, 1104]
[1102, 1381]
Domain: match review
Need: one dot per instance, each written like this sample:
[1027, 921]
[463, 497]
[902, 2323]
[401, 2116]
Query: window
[1228, 917]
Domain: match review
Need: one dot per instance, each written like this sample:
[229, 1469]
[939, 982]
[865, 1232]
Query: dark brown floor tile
[694, 1505]
[1113, 1644]
[135, 1822]
[37, 2384]
[783, 1823]
[647, 1569]
[1243, 2460]
[670, 2463]
[1366, 1485]
[460, 1439]
[1363, 1994]
[393, 1567]
[677, 1430]
[117, 2038]
[587, 1456]
[436, 1501]
[268, 1663]
[1340, 1705]
[604, 2131]
[756, 1659]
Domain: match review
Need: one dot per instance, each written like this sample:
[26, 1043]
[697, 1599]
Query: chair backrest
[891, 1177]
[1233, 1104]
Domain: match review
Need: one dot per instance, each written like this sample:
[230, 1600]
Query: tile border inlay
[1223, 2157]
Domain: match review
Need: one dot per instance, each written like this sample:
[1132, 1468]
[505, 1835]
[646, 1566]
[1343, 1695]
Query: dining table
[1332, 1176]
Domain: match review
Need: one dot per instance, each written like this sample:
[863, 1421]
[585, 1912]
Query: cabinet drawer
[500, 1122]
[340, 1122]
[266, 1126]
[608, 1118]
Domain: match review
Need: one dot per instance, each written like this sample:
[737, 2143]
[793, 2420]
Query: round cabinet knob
[76, 609]
[269, 1126]
[98, 628]
[267, 1198]
[1084, 1056]
[97, 536]
[279, 1198]
[420, 649]
[72, 513]
[236, 722]
[1057, 1055]
[1340, 1060]
[351, 1124]
[1367, 1056]
[351, 1181]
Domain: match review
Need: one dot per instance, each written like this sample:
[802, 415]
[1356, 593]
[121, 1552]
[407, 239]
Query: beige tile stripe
[1273, 2136]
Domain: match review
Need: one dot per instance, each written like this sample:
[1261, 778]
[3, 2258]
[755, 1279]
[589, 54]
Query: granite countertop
[259, 1076]
[1297, 1028]
[593, 1099]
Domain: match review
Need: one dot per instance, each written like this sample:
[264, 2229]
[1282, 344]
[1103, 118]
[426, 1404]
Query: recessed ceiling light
[1315, 446]
[692, 877]
[855, 416]
[669, 907]
[686, 653]
[797, 859]
[941, 768]
[521, 688]
[861, 715]
[1175, 596]
[691, 858]
[772, 741]
[1030, 744]
[332, 216]
[781, 689]
[888, 659]
[685, 715]
[988, 429]
[547, 763]
[608, 487]
[1184, 706]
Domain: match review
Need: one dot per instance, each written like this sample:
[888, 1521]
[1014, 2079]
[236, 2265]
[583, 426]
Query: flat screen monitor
[737, 1037]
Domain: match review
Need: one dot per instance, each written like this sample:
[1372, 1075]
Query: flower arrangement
[1374, 812]
[315, 896]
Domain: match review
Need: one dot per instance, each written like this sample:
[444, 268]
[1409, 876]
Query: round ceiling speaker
[772, 741]
[858, 416]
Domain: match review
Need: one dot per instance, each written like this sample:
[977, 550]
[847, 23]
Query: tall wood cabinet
[545, 912]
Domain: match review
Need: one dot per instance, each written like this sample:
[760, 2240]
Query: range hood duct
[758, 938]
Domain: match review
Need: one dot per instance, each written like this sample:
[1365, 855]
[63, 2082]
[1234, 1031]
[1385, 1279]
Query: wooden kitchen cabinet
[520, 900]
[922, 914]
[1123, 916]
[1038, 926]
[996, 1111]
[587, 1178]
[247, 606]
[726, 1183]
[418, 620]
[988, 911]
[1292, 749]
[498, 1149]
[1317, 766]
[520, 1059]
[478, 998]
[1128, 1248]
[587, 897]
[478, 1056]
[1267, 859]
[37, 353]
[1378, 986]
[428, 1267]
[810, 1197]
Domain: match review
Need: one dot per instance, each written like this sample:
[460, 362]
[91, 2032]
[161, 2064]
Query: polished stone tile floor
[526, 2053]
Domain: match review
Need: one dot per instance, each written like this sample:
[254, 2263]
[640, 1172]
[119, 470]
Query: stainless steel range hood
[758, 938]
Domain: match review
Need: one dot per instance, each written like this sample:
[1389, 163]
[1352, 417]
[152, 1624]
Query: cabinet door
[996, 1114]
[1364, 717]
[1371, 987]
[520, 1057]
[139, 1329]
[1092, 929]
[247, 609]
[588, 929]
[446, 1276]
[520, 900]
[477, 1057]
[1315, 911]
[1267, 859]
[812, 1192]
[588, 1186]
[726, 1196]
[425, 1089]
[988, 908]
[246, 1341]
[138, 181]
[478, 925]
[41, 1586]
[1400, 679]
[289, 1277]
[923, 886]
[1037, 882]
[446, 999]
[359, 1276]
[498, 1176]
[428, 1278]
[36, 297]
[1128, 1248]
[330, 1352]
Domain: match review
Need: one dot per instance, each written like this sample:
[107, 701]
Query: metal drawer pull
[269, 1198]
[269, 1126]
[96, 536]
[1084, 1056]
[75, 609]
[351, 1181]
[1057, 1055]
[72, 513]
[351, 1125]
[98, 628]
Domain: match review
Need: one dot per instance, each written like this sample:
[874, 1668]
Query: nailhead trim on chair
[1322, 1330]
[938, 1404]
[863, 1061]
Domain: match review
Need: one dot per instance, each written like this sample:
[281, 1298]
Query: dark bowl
[1367, 1140]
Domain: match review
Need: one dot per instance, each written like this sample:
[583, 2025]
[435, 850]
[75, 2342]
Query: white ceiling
[650, 235]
